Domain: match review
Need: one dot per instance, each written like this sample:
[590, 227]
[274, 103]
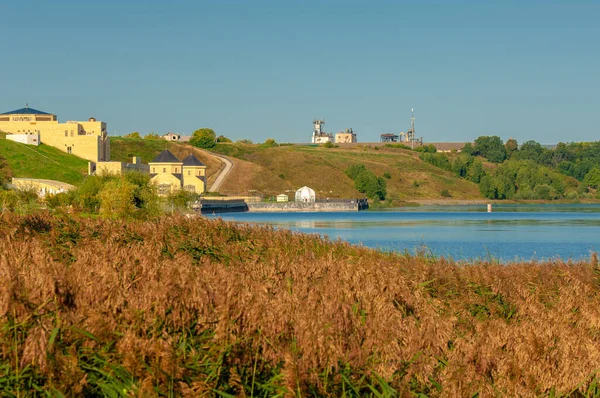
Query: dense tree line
[528, 171]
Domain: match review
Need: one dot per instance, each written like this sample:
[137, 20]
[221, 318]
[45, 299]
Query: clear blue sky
[258, 69]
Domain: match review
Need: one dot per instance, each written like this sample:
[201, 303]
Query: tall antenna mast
[411, 132]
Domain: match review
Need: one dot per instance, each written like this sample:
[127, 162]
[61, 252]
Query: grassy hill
[277, 169]
[274, 170]
[42, 162]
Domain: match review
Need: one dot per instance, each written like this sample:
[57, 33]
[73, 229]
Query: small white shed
[282, 198]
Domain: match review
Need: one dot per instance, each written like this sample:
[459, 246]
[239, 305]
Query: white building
[29, 138]
[305, 194]
[319, 136]
[171, 137]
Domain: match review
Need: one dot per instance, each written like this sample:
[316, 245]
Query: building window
[176, 169]
[164, 169]
[153, 170]
[71, 133]
[66, 133]
[189, 172]
[69, 149]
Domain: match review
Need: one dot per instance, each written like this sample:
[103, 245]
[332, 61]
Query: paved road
[223, 174]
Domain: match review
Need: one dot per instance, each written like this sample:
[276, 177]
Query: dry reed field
[197, 307]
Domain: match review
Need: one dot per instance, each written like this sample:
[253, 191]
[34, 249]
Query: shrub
[399, 146]
[445, 193]
[204, 138]
[269, 143]
[365, 181]
[387, 175]
[328, 144]
[117, 199]
[152, 136]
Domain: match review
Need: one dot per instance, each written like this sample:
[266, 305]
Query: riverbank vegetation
[527, 172]
[180, 307]
[129, 197]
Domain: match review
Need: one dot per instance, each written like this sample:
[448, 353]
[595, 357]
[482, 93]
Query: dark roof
[191, 160]
[165, 157]
[25, 111]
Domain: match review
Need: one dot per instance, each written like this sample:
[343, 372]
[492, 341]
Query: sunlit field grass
[197, 307]
[43, 162]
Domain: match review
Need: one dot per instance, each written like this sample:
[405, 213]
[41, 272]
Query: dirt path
[223, 174]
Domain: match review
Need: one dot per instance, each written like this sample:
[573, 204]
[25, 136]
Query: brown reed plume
[183, 307]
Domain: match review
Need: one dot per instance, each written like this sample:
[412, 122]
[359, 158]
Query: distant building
[388, 137]
[40, 186]
[171, 174]
[305, 194]
[348, 136]
[282, 198]
[117, 168]
[171, 137]
[447, 146]
[319, 136]
[26, 138]
[88, 140]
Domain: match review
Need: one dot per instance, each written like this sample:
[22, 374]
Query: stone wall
[272, 207]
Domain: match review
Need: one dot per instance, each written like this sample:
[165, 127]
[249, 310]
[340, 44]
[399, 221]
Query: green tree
[365, 181]
[475, 171]
[222, 138]
[530, 150]
[269, 143]
[354, 170]
[204, 138]
[135, 134]
[592, 178]
[117, 199]
[468, 149]
[511, 147]
[490, 148]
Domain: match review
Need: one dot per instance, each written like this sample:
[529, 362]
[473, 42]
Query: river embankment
[317, 207]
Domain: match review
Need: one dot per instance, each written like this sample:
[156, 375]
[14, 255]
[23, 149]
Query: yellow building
[171, 174]
[118, 168]
[88, 140]
[348, 136]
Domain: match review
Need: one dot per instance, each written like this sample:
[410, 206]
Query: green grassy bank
[197, 307]
[42, 162]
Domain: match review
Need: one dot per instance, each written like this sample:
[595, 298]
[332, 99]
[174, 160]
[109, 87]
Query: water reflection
[510, 232]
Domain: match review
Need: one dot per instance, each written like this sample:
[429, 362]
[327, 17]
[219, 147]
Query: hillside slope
[273, 170]
[42, 162]
[285, 168]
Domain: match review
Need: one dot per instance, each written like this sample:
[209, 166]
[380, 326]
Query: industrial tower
[317, 132]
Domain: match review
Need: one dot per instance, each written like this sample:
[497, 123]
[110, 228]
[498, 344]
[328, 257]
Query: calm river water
[510, 232]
